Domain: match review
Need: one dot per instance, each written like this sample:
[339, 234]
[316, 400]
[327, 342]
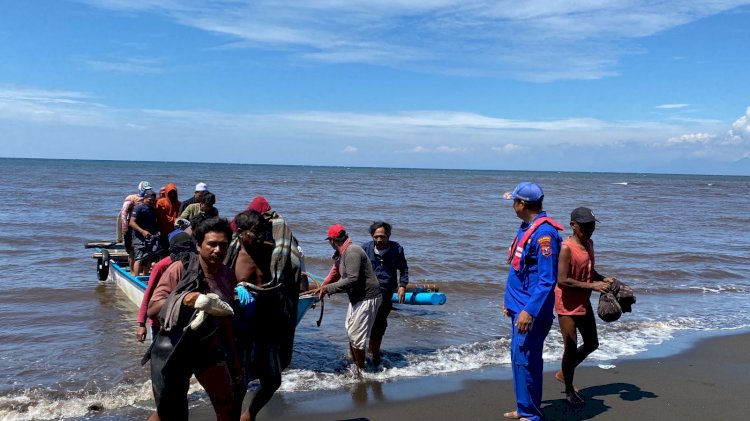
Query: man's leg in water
[379, 326]
[269, 374]
[217, 382]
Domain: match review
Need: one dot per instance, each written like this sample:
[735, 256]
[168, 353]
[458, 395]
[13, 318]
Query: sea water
[67, 341]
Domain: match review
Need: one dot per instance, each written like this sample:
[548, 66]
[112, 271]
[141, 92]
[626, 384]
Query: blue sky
[625, 86]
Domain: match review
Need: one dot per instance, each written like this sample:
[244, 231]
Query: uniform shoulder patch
[545, 245]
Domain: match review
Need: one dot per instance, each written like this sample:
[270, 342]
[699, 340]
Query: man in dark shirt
[144, 225]
[199, 189]
[387, 258]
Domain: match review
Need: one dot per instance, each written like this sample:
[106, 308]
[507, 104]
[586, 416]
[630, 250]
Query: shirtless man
[259, 338]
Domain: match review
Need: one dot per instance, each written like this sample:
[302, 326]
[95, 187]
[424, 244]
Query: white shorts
[359, 320]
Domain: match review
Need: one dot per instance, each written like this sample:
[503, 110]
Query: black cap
[582, 215]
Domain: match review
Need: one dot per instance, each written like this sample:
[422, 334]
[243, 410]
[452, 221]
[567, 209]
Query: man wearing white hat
[199, 189]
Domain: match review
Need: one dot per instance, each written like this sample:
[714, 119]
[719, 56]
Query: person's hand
[602, 286]
[213, 305]
[237, 371]
[506, 313]
[523, 322]
[140, 334]
[401, 295]
[320, 292]
[243, 295]
[189, 299]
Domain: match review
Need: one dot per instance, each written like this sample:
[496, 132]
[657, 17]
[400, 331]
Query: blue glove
[243, 295]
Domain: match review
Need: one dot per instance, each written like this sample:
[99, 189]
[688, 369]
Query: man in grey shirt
[352, 273]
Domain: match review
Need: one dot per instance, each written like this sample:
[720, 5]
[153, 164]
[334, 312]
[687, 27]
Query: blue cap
[171, 235]
[527, 191]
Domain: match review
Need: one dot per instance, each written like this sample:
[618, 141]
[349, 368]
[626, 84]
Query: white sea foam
[446, 360]
[41, 404]
[618, 339]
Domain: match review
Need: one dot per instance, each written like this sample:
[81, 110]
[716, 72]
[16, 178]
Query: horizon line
[367, 167]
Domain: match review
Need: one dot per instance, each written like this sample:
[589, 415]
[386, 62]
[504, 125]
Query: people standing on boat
[126, 233]
[167, 210]
[529, 297]
[576, 278]
[352, 273]
[144, 223]
[388, 262]
[180, 247]
[200, 188]
[196, 335]
[204, 207]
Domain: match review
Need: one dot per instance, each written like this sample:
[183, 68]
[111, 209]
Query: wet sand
[709, 381]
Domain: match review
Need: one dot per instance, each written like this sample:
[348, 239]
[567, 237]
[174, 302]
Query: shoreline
[705, 379]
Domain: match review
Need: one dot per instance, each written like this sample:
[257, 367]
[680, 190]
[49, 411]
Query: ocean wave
[45, 404]
[618, 339]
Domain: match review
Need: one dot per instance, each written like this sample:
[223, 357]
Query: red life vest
[516, 249]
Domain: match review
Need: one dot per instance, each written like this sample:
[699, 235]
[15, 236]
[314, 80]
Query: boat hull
[132, 287]
[135, 286]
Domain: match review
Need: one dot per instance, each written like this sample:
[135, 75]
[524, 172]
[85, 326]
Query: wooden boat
[112, 266]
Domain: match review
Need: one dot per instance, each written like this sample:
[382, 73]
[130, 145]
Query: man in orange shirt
[167, 211]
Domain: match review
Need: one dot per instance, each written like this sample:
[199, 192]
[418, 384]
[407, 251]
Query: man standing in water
[259, 325]
[529, 296]
[357, 278]
[387, 258]
[197, 336]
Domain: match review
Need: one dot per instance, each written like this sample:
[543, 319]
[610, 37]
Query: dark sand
[710, 381]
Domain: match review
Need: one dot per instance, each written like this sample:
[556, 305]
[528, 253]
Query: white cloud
[508, 148]
[430, 138]
[672, 106]
[740, 131]
[451, 149]
[132, 65]
[416, 149]
[530, 40]
[692, 138]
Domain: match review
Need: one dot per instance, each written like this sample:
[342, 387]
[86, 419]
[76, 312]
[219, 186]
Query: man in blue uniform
[529, 296]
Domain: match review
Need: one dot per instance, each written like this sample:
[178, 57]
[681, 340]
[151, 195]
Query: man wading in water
[196, 336]
[358, 280]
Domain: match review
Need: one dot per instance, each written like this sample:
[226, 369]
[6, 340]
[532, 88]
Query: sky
[592, 85]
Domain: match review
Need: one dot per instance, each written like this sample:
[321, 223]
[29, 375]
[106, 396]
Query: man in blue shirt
[529, 296]
[144, 224]
[387, 258]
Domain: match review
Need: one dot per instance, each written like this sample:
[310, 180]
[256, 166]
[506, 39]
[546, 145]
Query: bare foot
[560, 378]
[512, 415]
[574, 398]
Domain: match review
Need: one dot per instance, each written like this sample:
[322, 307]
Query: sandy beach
[707, 382]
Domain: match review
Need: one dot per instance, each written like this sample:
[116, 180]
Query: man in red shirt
[201, 290]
